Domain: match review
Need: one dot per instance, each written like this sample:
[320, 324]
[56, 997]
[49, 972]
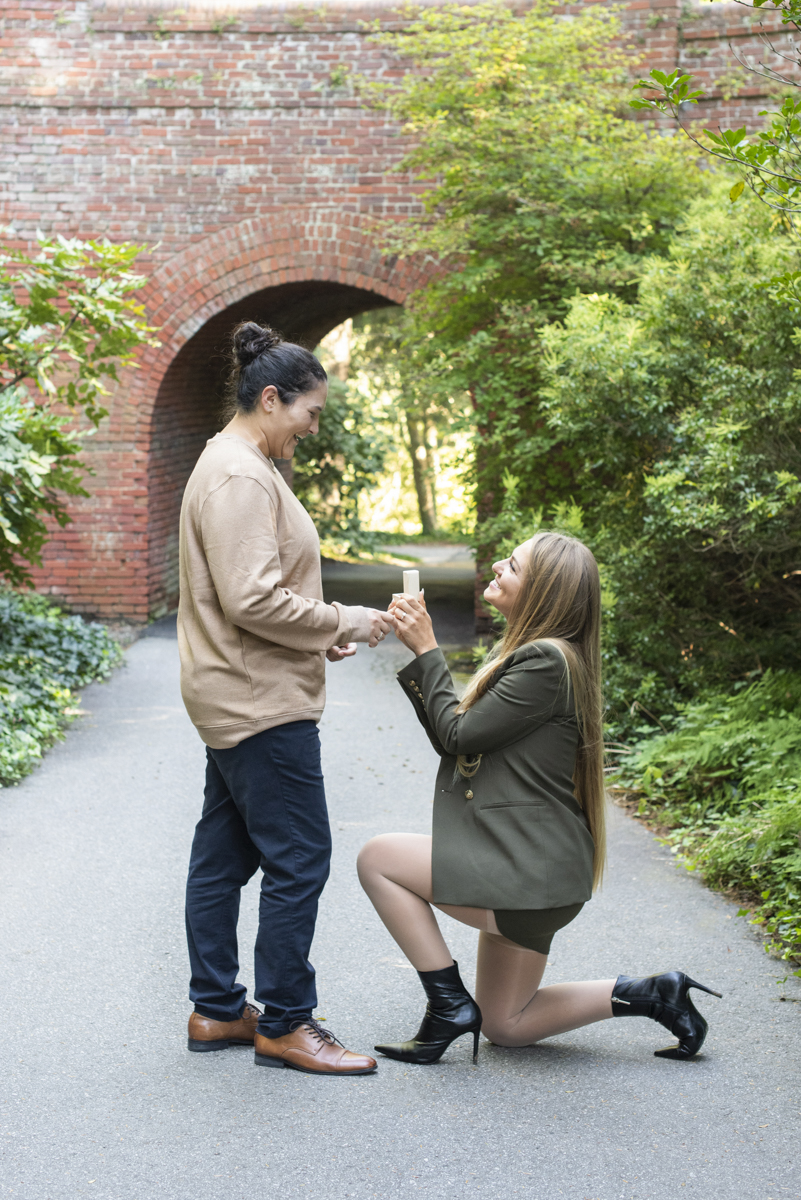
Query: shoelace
[324, 1035]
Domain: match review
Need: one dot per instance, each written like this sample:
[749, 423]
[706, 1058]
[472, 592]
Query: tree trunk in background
[424, 472]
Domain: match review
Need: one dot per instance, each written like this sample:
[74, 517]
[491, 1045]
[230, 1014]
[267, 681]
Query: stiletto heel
[451, 1011]
[703, 988]
[665, 998]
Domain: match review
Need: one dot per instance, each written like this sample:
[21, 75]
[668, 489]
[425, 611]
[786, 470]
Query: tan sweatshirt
[252, 624]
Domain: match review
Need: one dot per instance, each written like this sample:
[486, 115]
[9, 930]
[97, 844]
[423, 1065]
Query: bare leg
[516, 1011]
[395, 871]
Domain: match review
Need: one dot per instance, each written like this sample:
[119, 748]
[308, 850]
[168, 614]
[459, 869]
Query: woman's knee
[501, 1031]
[402, 858]
[371, 858]
[497, 1031]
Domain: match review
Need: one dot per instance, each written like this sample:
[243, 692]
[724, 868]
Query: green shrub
[535, 186]
[68, 323]
[686, 409]
[726, 783]
[44, 656]
[332, 469]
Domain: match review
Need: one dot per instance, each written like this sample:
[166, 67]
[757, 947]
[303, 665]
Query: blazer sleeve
[412, 689]
[531, 690]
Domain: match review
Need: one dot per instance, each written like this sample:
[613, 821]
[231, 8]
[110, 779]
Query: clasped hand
[413, 625]
[381, 623]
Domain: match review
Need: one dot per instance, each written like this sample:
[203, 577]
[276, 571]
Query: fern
[726, 783]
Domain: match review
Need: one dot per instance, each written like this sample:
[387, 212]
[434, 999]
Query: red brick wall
[220, 140]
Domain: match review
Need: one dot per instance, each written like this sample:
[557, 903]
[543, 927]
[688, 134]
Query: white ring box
[411, 583]
[411, 586]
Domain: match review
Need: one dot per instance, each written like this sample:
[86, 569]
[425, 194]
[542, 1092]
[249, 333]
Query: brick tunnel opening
[188, 409]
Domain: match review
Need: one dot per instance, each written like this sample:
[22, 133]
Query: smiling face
[510, 576]
[285, 425]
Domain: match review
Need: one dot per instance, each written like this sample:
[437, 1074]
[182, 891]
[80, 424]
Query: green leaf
[44, 654]
[737, 191]
[70, 320]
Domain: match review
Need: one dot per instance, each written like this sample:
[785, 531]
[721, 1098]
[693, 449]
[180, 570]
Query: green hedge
[725, 783]
[44, 656]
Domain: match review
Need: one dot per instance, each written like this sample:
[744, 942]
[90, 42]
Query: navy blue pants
[264, 807]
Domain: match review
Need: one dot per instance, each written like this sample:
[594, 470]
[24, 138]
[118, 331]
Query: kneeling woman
[518, 836]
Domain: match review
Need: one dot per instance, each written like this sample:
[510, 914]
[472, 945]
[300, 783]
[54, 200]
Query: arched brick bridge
[227, 140]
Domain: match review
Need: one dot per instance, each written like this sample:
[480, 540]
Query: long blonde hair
[560, 602]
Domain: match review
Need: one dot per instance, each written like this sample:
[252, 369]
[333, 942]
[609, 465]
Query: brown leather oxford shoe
[313, 1050]
[205, 1034]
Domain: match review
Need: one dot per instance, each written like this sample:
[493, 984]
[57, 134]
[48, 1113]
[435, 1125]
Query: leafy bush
[333, 468]
[68, 322]
[537, 185]
[684, 412]
[768, 162]
[726, 783]
[38, 466]
[44, 656]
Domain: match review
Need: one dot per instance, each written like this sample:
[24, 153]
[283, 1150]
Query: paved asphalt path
[447, 573]
[101, 1099]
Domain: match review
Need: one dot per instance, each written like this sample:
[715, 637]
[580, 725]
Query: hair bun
[251, 340]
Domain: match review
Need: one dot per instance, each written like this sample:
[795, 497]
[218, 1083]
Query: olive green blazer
[513, 836]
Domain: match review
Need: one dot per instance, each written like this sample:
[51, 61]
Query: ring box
[411, 583]
[411, 587]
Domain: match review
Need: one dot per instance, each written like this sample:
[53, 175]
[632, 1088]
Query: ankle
[438, 972]
[444, 987]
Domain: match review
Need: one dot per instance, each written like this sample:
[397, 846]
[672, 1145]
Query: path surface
[101, 1099]
[447, 573]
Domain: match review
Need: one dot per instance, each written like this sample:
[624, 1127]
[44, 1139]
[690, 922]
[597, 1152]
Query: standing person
[253, 634]
[518, 837]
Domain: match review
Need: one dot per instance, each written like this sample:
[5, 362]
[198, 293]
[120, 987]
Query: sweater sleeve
[531, 690]
[238, 525]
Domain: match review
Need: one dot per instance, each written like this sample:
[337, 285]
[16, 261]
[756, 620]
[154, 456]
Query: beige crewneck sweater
[252, 624]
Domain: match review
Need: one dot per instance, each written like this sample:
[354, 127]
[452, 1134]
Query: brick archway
[242, 155]
[304, 276]
[323, 245]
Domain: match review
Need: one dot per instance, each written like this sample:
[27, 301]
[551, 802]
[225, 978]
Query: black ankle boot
[664, 998]
[450, 1012]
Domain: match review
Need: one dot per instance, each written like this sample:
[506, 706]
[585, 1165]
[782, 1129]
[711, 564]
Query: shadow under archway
[189, 403]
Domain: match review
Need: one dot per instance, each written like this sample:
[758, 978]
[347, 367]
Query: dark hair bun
[260, 358]
[251, 340]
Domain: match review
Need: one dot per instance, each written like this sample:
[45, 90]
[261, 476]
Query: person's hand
[413, 625]
[381, 623]
[337, 653]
